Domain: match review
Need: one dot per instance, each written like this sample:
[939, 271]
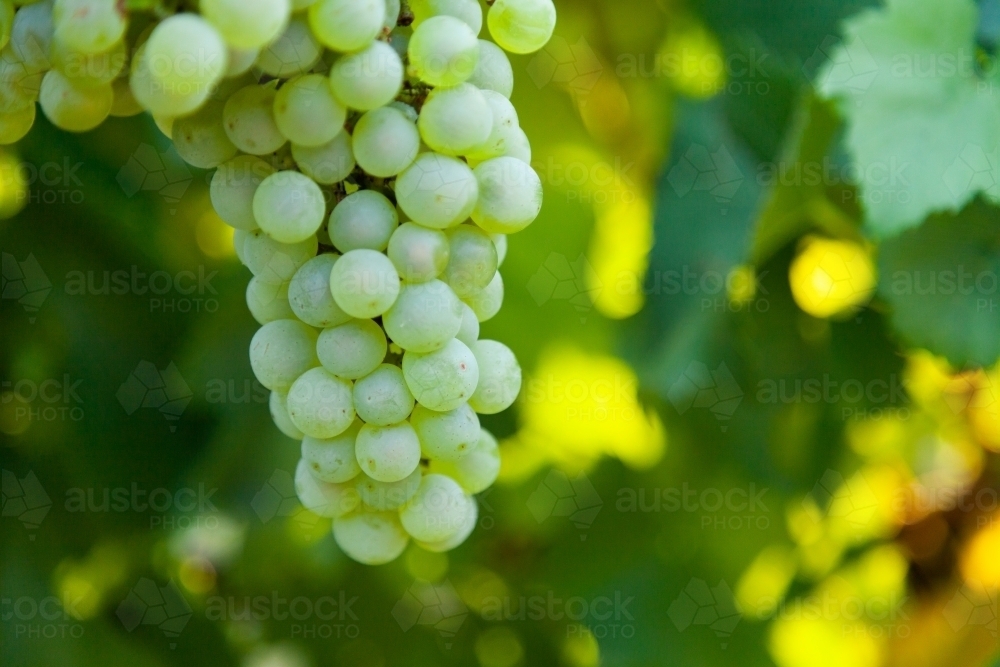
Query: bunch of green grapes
[372, 165]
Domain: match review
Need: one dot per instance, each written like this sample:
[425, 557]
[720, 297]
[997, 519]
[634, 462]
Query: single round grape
[327, 164]
[392, 9]
[268, 301]
[289, 206]
[486, 303]
[478, 469]
[500, 243]
[468, 11]
[437, 511]
[444, 379]
[347, 25]
[425, 316]
[443, 51]
[321, 404]
[309, 293]
[307, 112]
[437, 191]
[233, 187]
[322, 498]
[368, 79]
[364, 283]
[385, 142]
[499, 377]
[332, 460]
[89, 69]
[388, 453]
[88, 26]
[510, 195]
[124, 105]
[456, 120]
[14, 125]
[240, 61]
[462, 534]
[295, 52]
[201, 138]
[279, 414]
[239, 244]
[281, 351]
[382, 397]
[275, 262]
[418, 253]
[74, 109]
[31, 36]
[446, 436]
[370, 538]
[504, 130]
[469, 332]
[184, 54]
[247, 24]
[365, 219]
[522, 26]
[249, 120]
[387, 496]
[493, 71]
[352, 350]
[160, 100]
[472, 262]
[518, 146]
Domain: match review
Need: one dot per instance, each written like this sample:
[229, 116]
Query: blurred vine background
[728, 450]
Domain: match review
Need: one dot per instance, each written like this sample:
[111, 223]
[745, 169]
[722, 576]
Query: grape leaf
[923, 120]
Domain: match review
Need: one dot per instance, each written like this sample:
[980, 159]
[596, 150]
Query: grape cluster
[370, 160]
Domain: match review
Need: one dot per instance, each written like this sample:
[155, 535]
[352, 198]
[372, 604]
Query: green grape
[248, 117]
[468, 525]
[407, 110]
[165, 124]
[89, 69]
[307, 112]
[327, 164]
[6, 21]
[74, 109]
[499, 377]
[493, 71]
[365, 219]
[478, 469]
[19, 87]
[124, 105]
[31, 38]
[364, 283]
[14, 125]
[425, 316]
[455, 121]
[239, 244]
[309, 293]
[295, 52]
[88, 26]
[392, 9]
[469, 332]
[289, 206]
[185, 55]
[387, 496]
[332, 460]
[247, 24]
[281, 351]
[518, 146]
[321, 404]
[437, 191]
[352, 350]
[322, 498]
[233, 187]
[446, 436]
[368, 79]
[201, 138]
[486, 303]
[437, 511]
[347, 25]
[510, 195]
[443, 51]
[240, 61]
[160, 100]
[388, 453]
[418, 253]
[279, 414]
[268, 301]
[500, 243]
[503, 131]
[522, 26]
[468, 11]
[371, 538]
[386, 142]
[444, 379]
[276, 262]
[382, 397]
[472, 262]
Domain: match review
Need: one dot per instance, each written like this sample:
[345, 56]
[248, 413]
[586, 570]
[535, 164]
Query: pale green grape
[74, 109]
[88, 26]
[6, 21]
[289, 206]
[268, 301]
[425, 316]
[493, 71]
[468, 11]
[388, 453]
[462, 534]
[418, 253]
[276, 262]
[19, 87]
[510, 195]
[486, 302]
[309, 293]
[124, 104]
[307, 112]
[31, 38]
[437, 191]
[500, 243]
[185, 55]
[408, 111]
[295, 52]
[240, 61]
[392, 9]
[332, 460]
[347, 25]
[14, 125]
[503, 132]
[239, 244]
[322, 498]
[387, 496]
[446, 436]
[201, 138]
[247, 24]
[233, 187]
[327, 164]
[478, 469]
[364, 283]
[368, 79]
[443, 51]
[371, 538]
[499, 377]
[444, 379]
[89, 69]
[437, 511]
[365, 219]
[249, 120]
[382, 397]
[352, 350]
[469, 332]
[472, 261]
[321, 404]
[160, 100]
[518, 146]
[385, 142]
[279, 414]
[281, 351]
[522, 26]
[456, 120]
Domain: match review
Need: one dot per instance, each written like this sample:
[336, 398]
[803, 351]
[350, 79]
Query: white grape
[468, 11]
[462, 534]
[444, 379]
[522, 26]
[239, 244]
[493, 71]
[503, 132]
[88, 26]
[446, 436]
[371, 538]
[16, 124]
[281, 351]
[31, 36]
[185, 55]
[499, 377]
[368, 79]
[518, 146]
[249, 120]
[294, 52]
[437, 191]
[276, 262]
[365, 219]
[322, 498]
[306, 111]
[240, 61]
[392, 9]
[443, 51]
[478, 469]
[201, 138]
[352, 350]
[327, 164]
[486, 303]
[321, 404]
[247, 24]
[469, 331]
[89, 69]
[500, 243]
[418, 253]
[388, 453]
[71, 108]
[437, 511]
[385, 142]
[510, 195]
[233, 187]
[289, 206]
[382, 397]
[332, 460]
[364, 283]
[268, 301]
[472, 262]
[309, 293]
[279, 414]
[425, 316]
[456, 120]
[387, 496]
[347, 25]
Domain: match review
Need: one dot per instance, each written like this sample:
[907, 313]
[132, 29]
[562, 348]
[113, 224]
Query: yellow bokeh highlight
[13, 187]
[197, 575]
[499, 647]
[214, 237]
[741, 285]
[581, 649]
[831, 277]
[691, 58]
[802, 641]
[426, 565]
[619, 254]
[482, 590]
[765, 582]
[306, 528]
[980, 561]
[85, 586]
